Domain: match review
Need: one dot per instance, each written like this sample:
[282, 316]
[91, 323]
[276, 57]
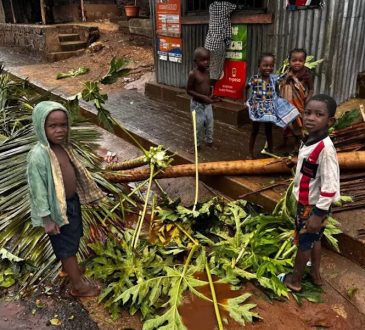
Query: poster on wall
[303, 4]
[237, 51]
[168, 17]
[233, 81]
[235, 65]
[169, 49]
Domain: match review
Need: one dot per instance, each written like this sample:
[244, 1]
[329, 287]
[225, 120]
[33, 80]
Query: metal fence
[335, 33]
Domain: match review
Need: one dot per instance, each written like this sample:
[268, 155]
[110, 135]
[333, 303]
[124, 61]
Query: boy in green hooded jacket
[58, 183]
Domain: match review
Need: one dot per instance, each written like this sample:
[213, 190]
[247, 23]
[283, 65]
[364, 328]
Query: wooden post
[12, 11]
[83, 18]
[43, 11]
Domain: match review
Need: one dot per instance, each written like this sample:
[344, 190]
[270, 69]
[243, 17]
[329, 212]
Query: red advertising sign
[233, 82]
[168, 17]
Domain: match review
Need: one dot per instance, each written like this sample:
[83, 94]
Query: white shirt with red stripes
[317, 177]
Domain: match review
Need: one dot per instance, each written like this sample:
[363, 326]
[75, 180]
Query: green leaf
[116, 70]
[73, 73]
[240, 311]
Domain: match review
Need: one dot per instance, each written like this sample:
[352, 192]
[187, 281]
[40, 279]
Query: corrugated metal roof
[335, 32]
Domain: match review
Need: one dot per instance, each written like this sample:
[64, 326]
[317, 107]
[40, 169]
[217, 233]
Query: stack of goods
[349, 135]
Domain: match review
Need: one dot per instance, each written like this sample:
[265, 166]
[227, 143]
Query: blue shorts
[66, 244]
[306, 241]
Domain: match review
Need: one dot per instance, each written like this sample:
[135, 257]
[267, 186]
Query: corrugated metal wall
[335, 33]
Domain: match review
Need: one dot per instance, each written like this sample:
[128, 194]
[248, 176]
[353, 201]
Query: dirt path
[114, 43]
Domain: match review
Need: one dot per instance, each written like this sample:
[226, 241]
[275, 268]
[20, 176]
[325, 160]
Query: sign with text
[233, 82]
[169, 49]
[234, 78]
[168, 17]
[237, 51]
[304, 4]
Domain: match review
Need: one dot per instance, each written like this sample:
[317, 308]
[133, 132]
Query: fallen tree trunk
[347, 161]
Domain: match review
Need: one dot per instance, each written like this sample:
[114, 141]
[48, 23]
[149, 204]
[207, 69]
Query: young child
[264, 105]
[58, 183]
[316, 186]
[199, 88]
[297, 87]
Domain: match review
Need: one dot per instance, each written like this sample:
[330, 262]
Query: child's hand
[50, 227]
[313, 225]
[215, 99]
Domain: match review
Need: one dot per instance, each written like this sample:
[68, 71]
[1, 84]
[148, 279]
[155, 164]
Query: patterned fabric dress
[265, 105]
[219, 35]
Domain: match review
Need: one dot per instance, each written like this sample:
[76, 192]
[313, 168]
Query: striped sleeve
[330, 180]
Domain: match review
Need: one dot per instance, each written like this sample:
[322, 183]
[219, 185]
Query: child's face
[202, 61]
[297, 61]
[316, 118]
[56, 127]
[266, 66]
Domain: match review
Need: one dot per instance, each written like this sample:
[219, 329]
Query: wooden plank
[236, 19]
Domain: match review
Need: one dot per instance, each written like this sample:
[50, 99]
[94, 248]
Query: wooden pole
[43, 11]
[12, 11]
[268, 166]
[83, 18]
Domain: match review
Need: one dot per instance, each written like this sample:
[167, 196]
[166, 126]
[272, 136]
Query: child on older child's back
[264, 104]
[297, 87]
[58, 182]
[316, 187]
[199, 88]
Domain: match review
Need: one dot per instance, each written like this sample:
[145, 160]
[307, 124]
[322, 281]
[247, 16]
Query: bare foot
[87, 290]
[316, 279]
[295, 287]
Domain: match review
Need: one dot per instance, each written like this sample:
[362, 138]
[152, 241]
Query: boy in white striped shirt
[316, 187]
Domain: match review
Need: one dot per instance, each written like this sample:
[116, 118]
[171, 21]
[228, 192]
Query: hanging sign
[169, 49]
[235, 65]
[233, 81]
[303, 4]
[168, 17]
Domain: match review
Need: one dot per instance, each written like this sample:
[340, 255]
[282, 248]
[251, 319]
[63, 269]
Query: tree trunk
[347, 161]
[43, 11]
[127, 164]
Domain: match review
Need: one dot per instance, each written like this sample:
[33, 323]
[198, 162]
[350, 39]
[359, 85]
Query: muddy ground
[338, 310]
[114, 44]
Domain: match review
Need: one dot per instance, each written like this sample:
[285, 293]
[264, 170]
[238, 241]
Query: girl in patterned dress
[264, 104]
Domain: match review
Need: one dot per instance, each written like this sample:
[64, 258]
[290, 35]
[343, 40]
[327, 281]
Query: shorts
[66, 244]
[305, 241]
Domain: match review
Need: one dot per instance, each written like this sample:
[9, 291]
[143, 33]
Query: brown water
[198, 314]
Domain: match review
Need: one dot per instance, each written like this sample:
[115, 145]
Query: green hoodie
[47, 192]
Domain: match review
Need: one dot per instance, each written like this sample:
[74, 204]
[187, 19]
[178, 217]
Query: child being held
[316, 187]
[200, 89]
[264, 104]
[297, 86]
[58, 182]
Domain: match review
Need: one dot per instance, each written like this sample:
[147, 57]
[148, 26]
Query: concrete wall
[72, 13]
[29, 37]
[41, 39]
